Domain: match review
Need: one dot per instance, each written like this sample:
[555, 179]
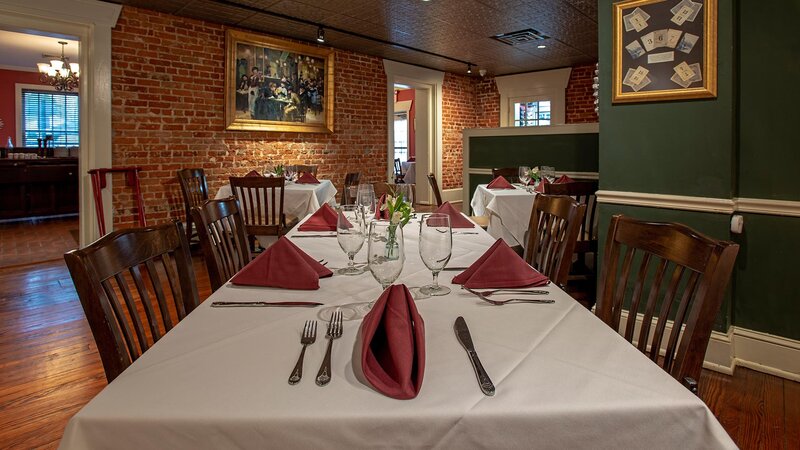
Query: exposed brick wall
[458, 113]
[487, 106]
[167, 87]
[579, 99]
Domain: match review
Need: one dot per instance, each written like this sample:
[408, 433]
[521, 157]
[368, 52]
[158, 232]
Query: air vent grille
[521, 37]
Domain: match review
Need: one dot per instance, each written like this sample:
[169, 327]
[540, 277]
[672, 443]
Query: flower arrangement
[535, 175]
[399, 210]
[279, 170]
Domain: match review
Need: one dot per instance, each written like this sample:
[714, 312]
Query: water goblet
[365, 198]
[350, 234]
[385, 251]
[524, 175]
[406, 191]
[435, 249]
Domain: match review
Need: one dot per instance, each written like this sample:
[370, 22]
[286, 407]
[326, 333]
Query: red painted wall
[403, 95]
[8, 78]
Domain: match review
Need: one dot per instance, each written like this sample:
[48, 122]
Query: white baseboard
[755, 350]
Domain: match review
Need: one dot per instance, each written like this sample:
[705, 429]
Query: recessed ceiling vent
[521, 37]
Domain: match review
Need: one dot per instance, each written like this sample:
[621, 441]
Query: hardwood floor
[37, 240]
[49, 369]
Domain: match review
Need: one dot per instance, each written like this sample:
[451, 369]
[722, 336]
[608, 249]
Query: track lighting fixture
[469, 69]
[320, 34]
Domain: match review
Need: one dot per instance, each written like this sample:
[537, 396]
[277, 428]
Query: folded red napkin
[457, 220]
[500, 183]
[323, 219]
[563, 179]
[500, 267]
[253, 173]
[392, 345]
[540, 187]
[378, 213]
[307, 178]
[282, 265]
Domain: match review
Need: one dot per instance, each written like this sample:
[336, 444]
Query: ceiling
[21, 51]
[458, 31]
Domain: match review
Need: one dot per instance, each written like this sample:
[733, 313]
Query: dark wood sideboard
[38, 187]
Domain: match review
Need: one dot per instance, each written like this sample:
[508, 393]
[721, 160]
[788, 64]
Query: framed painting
[276, 85]
[664, 50]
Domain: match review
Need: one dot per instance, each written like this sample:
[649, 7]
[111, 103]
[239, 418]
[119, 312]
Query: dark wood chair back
[350, 185]
[222, 236]
[683, 275]
[553, 230]
[194, 188]
[261, 204]
[435, 187]
[585, 192]
[123, 281]
[509, 173]
[398, 171]
[300, 169]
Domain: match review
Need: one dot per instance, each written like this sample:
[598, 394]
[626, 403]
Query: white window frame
[535, 98]
[18, 88]
[534, 86]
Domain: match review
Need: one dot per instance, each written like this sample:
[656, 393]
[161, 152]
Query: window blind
[50, 113]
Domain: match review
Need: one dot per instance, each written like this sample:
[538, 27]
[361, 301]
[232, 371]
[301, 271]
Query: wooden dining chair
[509, 173]
[350, 184]
[683, 275]
[482, 221]
[195, 191]
[553, 230]
[124, 281]
[221, 231]
[261, 204]
[398, 171]
[582, 283]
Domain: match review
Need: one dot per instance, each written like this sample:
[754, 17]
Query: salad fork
[503, 302]
[515, 291]
[308, 338]
[334, 332]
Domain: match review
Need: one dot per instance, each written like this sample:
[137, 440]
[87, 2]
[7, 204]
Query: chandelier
[60, 73]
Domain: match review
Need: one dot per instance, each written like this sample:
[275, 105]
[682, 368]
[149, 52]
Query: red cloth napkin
[307, 178]
[500, 183]
[323, 219]
[500, 267]
[563, 179]
[282, 265]
[392, 345]
[457, 220]
[378, 213]
[540, 187]
[253, 173]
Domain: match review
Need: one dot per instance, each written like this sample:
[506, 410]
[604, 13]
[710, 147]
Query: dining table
[508, 210]
[299, 199]
[409, 169]
[563, 378]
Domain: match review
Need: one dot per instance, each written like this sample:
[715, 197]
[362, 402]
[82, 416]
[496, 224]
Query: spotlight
[541, 46]
[469, 68]
[320, 34]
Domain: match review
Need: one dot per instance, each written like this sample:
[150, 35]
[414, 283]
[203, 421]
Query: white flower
[535, 170]
[396, 217]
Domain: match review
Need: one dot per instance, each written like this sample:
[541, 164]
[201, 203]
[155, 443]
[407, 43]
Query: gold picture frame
[661, 48]
[273, 84]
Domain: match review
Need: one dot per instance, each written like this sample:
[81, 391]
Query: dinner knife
[266, 304]
[462, 333]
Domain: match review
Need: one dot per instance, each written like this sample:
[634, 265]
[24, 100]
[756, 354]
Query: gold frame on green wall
[232, 122]
[708, 63]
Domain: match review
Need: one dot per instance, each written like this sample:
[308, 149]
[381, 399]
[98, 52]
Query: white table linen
[509, 212]
[409, 172]
[299, 200]
[564, 379]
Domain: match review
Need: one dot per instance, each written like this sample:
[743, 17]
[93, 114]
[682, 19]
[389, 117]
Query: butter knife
[462, 333]
[265, 304]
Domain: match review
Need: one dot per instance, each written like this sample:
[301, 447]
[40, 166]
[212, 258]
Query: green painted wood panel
[679, 147]
[566, 152]
[769, 99]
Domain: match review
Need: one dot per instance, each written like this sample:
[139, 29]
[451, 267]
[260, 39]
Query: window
[532, 114]
[401, 136]
[50, 113]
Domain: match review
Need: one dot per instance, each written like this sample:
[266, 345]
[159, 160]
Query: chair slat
[163, 305]
[663, 315]
[120, 317]
[636, 298]
[650, 307]
[622, 285]
[144, 298]
[133, 313]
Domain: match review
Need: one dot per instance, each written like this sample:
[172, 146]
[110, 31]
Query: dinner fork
[308, 338]
[503, 302]
[334, 332]
[515, 291]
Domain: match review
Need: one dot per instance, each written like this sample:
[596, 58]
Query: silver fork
[334, 332]
[515, 291]
[503, 302]
[308, 338]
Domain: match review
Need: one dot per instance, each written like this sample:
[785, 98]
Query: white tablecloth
[564, 379]
[299, 200]
[409, 172]
[509, 212]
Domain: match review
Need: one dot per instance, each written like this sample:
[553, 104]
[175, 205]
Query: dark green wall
[741, 144]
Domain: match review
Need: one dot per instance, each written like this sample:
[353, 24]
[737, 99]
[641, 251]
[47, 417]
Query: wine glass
[406, 191]
[549, 172]
[524, 175]
[350, 234]
[289, 172]
[385, 251]
[365, 198]
[435, 249]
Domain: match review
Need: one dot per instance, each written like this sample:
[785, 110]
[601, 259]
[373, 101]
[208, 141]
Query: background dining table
[299, 200]
[564, 379]
[508, 210]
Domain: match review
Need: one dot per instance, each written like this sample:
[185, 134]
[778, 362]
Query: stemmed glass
[524, 175]
[385, 251]
[289, 172]
[365, 198]
[350, 234]
[549, 172]
[435, 249]
[406, 191]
